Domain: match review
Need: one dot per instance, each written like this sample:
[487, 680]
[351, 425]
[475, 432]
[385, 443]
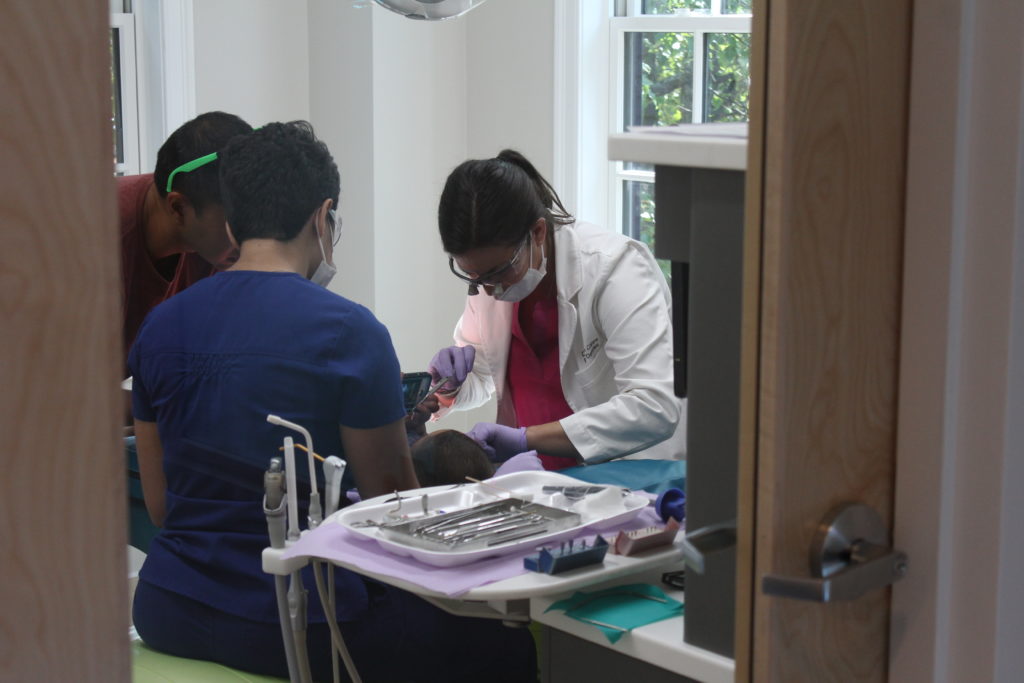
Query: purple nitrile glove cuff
[524, 462]
[498, 441]
[455, 362]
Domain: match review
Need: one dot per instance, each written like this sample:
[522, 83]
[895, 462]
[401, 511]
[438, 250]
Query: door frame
[959, 501]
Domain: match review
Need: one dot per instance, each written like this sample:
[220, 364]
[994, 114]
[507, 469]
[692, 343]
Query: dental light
[429, 10]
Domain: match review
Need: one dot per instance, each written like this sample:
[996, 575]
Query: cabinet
[699, 184]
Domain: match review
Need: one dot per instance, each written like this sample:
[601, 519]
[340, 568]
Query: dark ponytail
[495, 202]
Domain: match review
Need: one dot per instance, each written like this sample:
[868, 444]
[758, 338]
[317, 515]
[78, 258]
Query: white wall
[419, 104]
[252, 59]
[960, 478]
[510, 80]
[341, 111]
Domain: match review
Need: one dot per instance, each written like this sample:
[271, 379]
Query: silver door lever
[850, 556]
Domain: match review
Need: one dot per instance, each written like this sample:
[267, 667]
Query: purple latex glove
[455, 362]
[499, 442]
[524, 462]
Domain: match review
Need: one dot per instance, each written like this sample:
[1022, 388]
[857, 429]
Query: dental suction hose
[274, 507]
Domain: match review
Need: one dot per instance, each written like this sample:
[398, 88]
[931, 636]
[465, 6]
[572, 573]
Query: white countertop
[716, 146]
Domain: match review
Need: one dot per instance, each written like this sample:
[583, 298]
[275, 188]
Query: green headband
[190, 166]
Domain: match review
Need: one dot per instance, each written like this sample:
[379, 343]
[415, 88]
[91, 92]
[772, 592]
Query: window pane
[737, 6]
[659, 79]
[638, 217]
[115, 95]
[726, 77]
[672, 6]
[637, 166]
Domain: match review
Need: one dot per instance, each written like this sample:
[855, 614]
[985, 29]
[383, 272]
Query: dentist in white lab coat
[573, 332]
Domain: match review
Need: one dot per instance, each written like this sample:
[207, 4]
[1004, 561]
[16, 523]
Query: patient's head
[448, 456]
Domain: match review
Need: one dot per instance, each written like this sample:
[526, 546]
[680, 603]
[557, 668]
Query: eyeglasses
[490, 278]
[335, 227]
[190, 166]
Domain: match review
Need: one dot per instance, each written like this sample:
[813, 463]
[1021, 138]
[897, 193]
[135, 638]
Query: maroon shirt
[143, 285]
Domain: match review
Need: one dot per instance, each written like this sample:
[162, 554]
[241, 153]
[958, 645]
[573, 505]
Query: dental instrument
[430, 392]
[334, 470]
[293, 601]
[315, 513]
[481, 526]
[274, 508]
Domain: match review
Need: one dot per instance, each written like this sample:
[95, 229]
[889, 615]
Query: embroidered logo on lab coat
[590, 350]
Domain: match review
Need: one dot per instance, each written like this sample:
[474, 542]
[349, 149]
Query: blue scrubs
[209, 365]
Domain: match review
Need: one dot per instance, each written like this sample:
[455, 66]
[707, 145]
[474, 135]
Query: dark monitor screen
[680, 315]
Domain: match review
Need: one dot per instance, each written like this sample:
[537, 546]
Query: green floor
[150, 666]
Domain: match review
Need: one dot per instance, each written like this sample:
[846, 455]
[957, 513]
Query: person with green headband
[172, 220]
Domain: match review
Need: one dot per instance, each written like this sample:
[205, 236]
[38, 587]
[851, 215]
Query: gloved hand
[524, 462]
[416, 420]
[455, 362]
[498, 441]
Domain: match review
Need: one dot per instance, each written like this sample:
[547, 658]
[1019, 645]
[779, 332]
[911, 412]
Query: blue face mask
[531, 278]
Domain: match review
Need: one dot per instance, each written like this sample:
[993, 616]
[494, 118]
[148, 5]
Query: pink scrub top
[534, 380]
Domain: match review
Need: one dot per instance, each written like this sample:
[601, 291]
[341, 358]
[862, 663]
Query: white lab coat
[614, 349]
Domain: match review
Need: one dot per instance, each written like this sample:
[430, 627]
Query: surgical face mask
[325, 271]
[531, 278]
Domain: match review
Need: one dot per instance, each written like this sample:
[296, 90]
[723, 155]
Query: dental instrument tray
[481, 526]
[446, 526]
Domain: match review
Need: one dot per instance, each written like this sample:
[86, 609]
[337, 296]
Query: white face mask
[526, 284]
[325, 271]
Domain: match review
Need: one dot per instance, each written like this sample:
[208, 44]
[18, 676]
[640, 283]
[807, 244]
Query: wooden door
[62, 489]
[824, 231]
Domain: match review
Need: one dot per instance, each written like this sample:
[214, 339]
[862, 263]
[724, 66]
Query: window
[675, 61]
[152, 73]
[124, 98]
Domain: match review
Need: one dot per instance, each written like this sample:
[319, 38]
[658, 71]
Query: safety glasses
[190, 166]
[335, 227]
[492, 277]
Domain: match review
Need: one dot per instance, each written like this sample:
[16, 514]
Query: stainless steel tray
[488, 525]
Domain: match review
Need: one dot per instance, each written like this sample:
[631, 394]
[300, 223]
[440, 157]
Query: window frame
[629, 19]
[157, 61]
[123, 26]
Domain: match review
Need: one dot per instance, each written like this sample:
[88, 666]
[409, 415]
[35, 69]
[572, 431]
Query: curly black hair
[274, 179]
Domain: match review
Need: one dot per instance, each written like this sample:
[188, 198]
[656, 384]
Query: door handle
[704, 541]
[850, 556]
